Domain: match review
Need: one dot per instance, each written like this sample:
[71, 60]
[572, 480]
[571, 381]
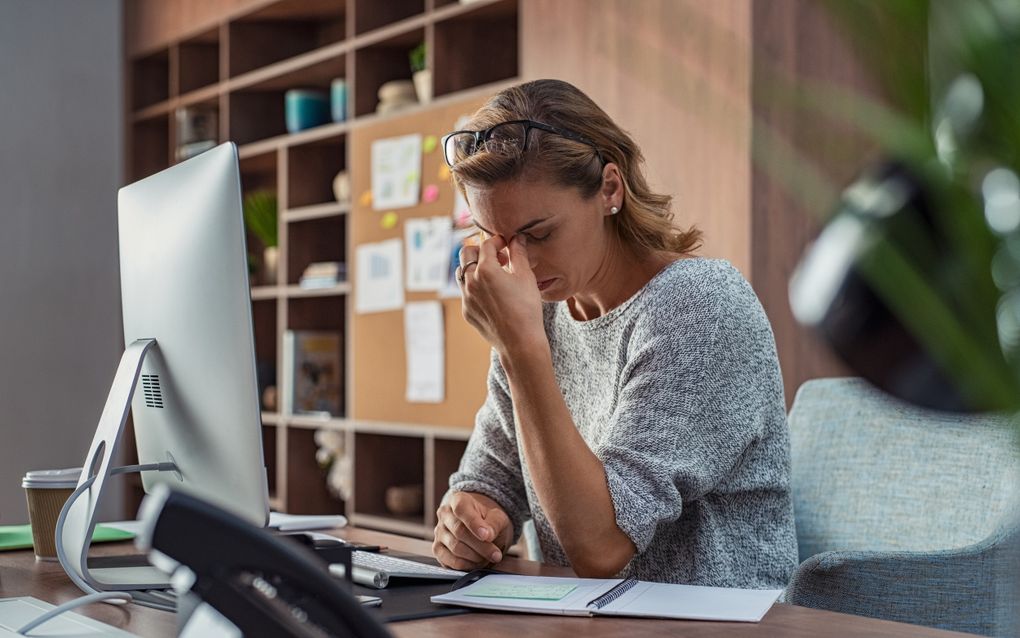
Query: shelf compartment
[446, 459]
[379, 63]
[150, 79]
[284, 30]
[311, 169]
[383, 461]
[490, 33]
[314, 70]
[256, 115]
[258, 172]
[306, 481]
[264, 320]
[199, 61]
[269, 454]
[150, 146]
[315, 240]
[317, 313]
[373, 14]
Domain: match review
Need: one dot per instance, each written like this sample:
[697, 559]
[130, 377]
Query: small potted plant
[422, 75]
[260, 216]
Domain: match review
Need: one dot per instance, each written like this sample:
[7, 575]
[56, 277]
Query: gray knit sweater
[678, 393]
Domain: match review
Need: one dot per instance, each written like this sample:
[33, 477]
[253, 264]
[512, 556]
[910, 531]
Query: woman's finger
[460, 549]
[489, 249]
[467, 254]
[462, 533]
[447, 559]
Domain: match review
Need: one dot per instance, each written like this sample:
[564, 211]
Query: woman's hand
[472, 531]
[501, 297]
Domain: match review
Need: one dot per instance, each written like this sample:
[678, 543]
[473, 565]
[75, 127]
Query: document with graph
[611, 597]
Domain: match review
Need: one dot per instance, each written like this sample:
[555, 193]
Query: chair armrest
[970, 589]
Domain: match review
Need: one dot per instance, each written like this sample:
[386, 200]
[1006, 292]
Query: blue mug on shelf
[338, 99]
[305, 108]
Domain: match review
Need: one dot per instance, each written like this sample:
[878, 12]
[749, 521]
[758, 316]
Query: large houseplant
[926, 243]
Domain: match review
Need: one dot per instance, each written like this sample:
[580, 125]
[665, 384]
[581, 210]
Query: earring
[614, 210]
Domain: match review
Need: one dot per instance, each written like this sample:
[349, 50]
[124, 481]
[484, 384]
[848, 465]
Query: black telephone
[266, 586]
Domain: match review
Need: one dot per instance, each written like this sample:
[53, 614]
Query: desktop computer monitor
[189, 364]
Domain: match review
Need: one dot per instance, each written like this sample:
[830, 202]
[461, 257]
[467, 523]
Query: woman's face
[567, 236]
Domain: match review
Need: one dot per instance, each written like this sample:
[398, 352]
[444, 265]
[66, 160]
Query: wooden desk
[21, 575]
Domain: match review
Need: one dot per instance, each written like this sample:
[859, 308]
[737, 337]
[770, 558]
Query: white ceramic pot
[270, 263]
[423, 85]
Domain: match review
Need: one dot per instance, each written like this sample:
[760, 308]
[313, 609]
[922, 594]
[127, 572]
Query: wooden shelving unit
[243, 66]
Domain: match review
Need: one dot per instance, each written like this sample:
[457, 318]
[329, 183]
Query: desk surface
[22, 575]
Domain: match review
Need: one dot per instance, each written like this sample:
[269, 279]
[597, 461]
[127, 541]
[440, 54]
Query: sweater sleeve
[689, 410]
[491, 463]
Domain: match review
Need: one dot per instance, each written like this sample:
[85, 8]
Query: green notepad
[524, 591]
[20, 536]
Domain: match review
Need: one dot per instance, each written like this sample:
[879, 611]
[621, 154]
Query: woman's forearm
[569, 478]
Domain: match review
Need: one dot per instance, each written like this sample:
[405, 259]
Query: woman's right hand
[472, 531]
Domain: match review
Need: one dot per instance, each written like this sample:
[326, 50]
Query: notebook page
[530, 594]
[663, 600]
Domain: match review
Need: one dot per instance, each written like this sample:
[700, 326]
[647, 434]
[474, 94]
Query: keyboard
[373, 569]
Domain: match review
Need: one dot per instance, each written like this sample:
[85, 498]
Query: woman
[635, 407]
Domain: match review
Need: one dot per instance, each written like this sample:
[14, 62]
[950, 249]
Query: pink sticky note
[430, 194]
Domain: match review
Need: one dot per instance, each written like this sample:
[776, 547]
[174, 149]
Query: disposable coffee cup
[46, 492]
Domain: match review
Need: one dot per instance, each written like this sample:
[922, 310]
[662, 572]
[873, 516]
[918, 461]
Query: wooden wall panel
[676, 75]
[796, 38]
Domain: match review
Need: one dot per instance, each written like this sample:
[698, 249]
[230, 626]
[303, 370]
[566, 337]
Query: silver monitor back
[184, 283]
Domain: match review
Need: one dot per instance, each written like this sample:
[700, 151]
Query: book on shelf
[197, 130]
[324, 274]
[313, 372]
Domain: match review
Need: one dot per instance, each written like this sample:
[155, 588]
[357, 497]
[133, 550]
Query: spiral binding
[621, 588]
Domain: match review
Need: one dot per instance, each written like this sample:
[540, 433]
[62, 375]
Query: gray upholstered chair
[903, 514]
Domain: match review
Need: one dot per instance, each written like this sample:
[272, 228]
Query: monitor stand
[79, 515]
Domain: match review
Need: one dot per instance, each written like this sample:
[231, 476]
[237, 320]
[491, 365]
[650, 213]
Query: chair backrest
[872, 473]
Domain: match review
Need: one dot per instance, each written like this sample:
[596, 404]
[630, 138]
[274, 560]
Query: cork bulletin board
[379, 363]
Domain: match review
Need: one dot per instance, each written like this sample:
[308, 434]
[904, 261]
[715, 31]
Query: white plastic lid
[52, 479]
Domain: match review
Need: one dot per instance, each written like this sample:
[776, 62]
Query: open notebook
[611, 597]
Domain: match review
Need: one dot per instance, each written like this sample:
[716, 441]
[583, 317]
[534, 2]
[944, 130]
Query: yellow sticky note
[429, 143]
[389, 220]
[444, 173]
[365, 199]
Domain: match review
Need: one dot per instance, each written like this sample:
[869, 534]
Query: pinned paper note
[429, 143]
[425, 347]
[428, 253]
[461, 212]
[380, 284]
[389, 220]
[444, 173]
[458, 239]
[430, 193]
[396, 172]
[522, 591]
[365, 199]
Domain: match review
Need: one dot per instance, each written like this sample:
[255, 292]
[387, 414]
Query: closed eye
[532, 237]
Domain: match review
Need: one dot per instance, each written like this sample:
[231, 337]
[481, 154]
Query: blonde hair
[645, 220]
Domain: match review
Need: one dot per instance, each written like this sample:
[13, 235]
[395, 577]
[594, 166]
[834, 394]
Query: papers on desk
[19, 611]
[277, 520]
[611, 597]
[300, 522]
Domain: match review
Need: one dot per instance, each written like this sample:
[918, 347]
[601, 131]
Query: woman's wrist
[526, 356]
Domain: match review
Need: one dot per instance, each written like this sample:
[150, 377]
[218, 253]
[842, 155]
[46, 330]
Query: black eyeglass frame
[483, 136]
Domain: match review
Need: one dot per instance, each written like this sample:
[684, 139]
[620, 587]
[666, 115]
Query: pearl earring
[614, 210]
